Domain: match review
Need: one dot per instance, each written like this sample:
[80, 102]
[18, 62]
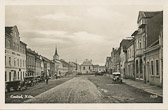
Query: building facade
[30, 62]
[153, 51]
[38, 65]
[87, 67]
[108, 65]
[129, 64]
[141, 42]
[15, 55]
[123, 56]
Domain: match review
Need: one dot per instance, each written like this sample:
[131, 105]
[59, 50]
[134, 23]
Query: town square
[83, 54]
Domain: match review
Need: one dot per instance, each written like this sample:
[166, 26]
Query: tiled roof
[151, 14]
[154, 26]
[8, 30]
[147, 14]
[87, 62]
[95, 65]
[124, 42]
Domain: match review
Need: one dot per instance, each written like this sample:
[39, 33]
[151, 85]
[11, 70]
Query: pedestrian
[47, 76]
[46, 79]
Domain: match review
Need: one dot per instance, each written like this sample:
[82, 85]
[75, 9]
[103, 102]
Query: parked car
[39, 78]
[79, 73]
[117, 77]
[30, 81]
[98, 73]
[15, 85]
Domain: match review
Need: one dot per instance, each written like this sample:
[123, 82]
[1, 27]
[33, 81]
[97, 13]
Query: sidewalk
[146, 87]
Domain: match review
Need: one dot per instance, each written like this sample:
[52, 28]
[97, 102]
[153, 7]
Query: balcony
[139, 52]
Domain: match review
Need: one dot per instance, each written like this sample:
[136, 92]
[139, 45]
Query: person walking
[47, 76]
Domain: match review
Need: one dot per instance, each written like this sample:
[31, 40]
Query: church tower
[56, 56]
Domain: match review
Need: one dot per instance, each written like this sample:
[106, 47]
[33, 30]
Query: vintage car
[40, 78]
[117, 77]
[30, 81]
[15, 85]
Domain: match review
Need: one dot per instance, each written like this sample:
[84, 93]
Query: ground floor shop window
[136, 68]
[18, 75]
[14, 77]
[5, 76]
[9, 76]
[157, 67]
[152, 68]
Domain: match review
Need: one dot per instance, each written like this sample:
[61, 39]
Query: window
[130, 53]
[10, 61]
[18, 62]
[157, 67]
[18, 75]
[141, 63]
[9, 76]
[14, 62]
[152, 67]
[14, 77]
[83, 68]
[5, 76]
[139, 43]
[21, 76]
[5, 60]
[23, 63]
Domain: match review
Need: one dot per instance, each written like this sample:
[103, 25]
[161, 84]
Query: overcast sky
[79, 31]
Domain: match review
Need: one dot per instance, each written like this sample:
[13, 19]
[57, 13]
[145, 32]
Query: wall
[86, 70]
[153, 56]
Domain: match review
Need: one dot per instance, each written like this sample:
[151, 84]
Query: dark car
[40, 78]
[98, 73]
[30, 81]
[117, 77]
[15, 85]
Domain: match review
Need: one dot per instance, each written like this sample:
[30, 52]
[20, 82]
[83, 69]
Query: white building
[87, 67]
[15, 55]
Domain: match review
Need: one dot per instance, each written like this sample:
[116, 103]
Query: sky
[78, 31]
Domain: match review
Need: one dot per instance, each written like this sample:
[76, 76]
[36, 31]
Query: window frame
[152, 68]
[157, 68]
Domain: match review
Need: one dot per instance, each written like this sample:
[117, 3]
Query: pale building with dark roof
[86, 66]
[15, 55]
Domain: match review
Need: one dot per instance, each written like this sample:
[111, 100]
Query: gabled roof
[123, 43]
[147, 14]
[154, 26]
[64, 62]
[9, 29]
[134, 33]
[23, 43]
[87, 62]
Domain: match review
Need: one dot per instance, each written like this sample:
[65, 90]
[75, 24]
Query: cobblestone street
[34, 90]
[94, 89]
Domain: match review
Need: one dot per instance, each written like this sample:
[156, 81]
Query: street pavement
[76, 90]
[94, 89]
[146, 87]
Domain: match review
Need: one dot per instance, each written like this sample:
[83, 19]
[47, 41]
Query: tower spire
[56, 56]
[56, 53]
